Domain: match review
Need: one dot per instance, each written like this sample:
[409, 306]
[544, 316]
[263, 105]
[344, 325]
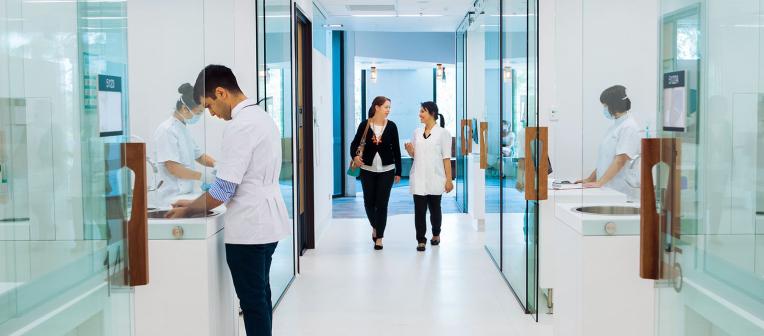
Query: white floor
[347, 288]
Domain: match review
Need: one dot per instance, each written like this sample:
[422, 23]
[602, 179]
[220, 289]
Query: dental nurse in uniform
[176, 150]
[620, 145]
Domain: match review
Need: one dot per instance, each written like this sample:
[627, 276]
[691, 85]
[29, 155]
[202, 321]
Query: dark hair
[186, 97]
[213, 77]
[616, 99]
[432, 109]
[378, 101]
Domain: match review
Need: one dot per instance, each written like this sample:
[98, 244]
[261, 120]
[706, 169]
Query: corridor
[347, 288]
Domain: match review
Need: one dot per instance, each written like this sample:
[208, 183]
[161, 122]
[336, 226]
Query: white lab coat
[173, 142]
[251, 158]
[621, 138]
[428, 176]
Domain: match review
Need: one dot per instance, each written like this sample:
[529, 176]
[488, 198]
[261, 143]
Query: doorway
[303, 36]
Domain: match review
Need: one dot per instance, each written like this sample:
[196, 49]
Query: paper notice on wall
[110, 105]
[674, 102]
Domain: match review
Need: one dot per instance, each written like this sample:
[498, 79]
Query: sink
[609, 210]
[159, 214]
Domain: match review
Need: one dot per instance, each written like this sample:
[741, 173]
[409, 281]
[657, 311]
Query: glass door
[65, 197]
[707, 227]
[519, 127]
[463, 134]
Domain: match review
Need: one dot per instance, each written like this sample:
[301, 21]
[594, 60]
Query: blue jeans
[250, 267]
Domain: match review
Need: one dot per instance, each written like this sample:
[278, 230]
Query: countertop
[187, 228]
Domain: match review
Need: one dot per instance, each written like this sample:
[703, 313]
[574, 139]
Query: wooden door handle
[469, 136]
[536, 163]
[652, 222]
[483, 145]
[134, 158]
[463, 138]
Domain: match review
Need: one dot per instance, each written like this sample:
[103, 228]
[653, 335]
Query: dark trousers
[250, 269]
[421, 203]
[376, 195]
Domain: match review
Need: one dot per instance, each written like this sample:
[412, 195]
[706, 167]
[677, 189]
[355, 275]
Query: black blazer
[389, 150]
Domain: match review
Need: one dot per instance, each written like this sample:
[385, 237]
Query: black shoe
[434, 242]
[420, 247]
[378, 247]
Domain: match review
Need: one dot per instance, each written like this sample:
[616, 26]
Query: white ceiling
[396, 15]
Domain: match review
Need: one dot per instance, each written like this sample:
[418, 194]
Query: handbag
[356, 171]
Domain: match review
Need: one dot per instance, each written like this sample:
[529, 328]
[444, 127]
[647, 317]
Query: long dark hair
[616, 99]
[432, 109]
[378, 101]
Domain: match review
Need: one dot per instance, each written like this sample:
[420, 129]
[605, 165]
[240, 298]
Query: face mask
[195, 119]
[607, 114]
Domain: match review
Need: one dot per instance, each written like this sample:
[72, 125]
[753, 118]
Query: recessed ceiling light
[333, 26]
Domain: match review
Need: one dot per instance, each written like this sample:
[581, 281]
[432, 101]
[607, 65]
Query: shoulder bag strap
[362, 146]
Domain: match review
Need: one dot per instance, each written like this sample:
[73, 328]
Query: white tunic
[428, 176]
[621, 138]
[251, 158]
[173, 142]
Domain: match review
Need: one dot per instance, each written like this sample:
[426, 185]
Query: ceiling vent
[371, 8]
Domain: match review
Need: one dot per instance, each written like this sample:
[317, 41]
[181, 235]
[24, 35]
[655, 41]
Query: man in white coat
[248, 183]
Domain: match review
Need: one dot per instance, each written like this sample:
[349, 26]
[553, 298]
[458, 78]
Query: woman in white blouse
[430, 176]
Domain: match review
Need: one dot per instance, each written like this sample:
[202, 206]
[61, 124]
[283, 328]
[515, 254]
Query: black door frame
[305, 225]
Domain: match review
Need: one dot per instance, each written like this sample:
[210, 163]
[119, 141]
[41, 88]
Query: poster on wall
[110, 105]
[675, 101]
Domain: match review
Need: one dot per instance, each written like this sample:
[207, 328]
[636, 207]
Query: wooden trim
[536, 178]
[652, 223]
[134, 158]
[462, 137]
[483, 145]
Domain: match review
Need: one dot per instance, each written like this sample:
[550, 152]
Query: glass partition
[711, 129]
[500, 63]
[518, 116]
[461, 117]
[64, 196]
[278, 103]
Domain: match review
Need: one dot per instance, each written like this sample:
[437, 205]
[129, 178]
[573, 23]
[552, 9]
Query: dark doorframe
[304, 116]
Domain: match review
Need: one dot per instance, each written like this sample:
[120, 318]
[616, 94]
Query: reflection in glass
[278, 91]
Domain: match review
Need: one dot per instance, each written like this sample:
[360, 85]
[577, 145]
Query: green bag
[356, 171]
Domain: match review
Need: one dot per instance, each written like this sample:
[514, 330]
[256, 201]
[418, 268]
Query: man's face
[218, 106]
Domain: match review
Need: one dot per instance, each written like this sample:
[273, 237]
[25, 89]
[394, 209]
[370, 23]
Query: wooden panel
[134, 157]
[536, 189]
[652, 223]
[483, 145]
[462, 136]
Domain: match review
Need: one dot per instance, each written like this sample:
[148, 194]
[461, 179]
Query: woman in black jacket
[380, 164]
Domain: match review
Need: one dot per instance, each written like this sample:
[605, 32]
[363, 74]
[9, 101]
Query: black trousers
[376, 196]
[421, 203]
[250, 267]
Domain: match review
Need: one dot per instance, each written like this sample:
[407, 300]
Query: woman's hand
[357, 162]
[595, 184]
[397, 179]
[410, 148]
[449, 186]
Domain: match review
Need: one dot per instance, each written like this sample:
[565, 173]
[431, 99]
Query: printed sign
[675, 101]
[110, 106]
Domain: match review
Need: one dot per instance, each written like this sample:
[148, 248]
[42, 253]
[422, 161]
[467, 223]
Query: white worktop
[192, 228]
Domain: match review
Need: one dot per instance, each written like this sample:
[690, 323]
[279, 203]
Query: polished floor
[347, 288]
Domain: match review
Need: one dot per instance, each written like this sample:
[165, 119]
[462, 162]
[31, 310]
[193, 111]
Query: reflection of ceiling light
[333, 26]
[393, 15]
[373, 74]
[373, 15]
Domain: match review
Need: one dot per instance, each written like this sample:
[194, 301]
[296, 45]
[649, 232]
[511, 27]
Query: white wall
[597, 44]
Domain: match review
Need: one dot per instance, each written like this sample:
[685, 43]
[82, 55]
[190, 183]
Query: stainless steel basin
[609, 210]
[159, 214]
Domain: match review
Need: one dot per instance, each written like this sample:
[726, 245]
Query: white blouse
[428, 176]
